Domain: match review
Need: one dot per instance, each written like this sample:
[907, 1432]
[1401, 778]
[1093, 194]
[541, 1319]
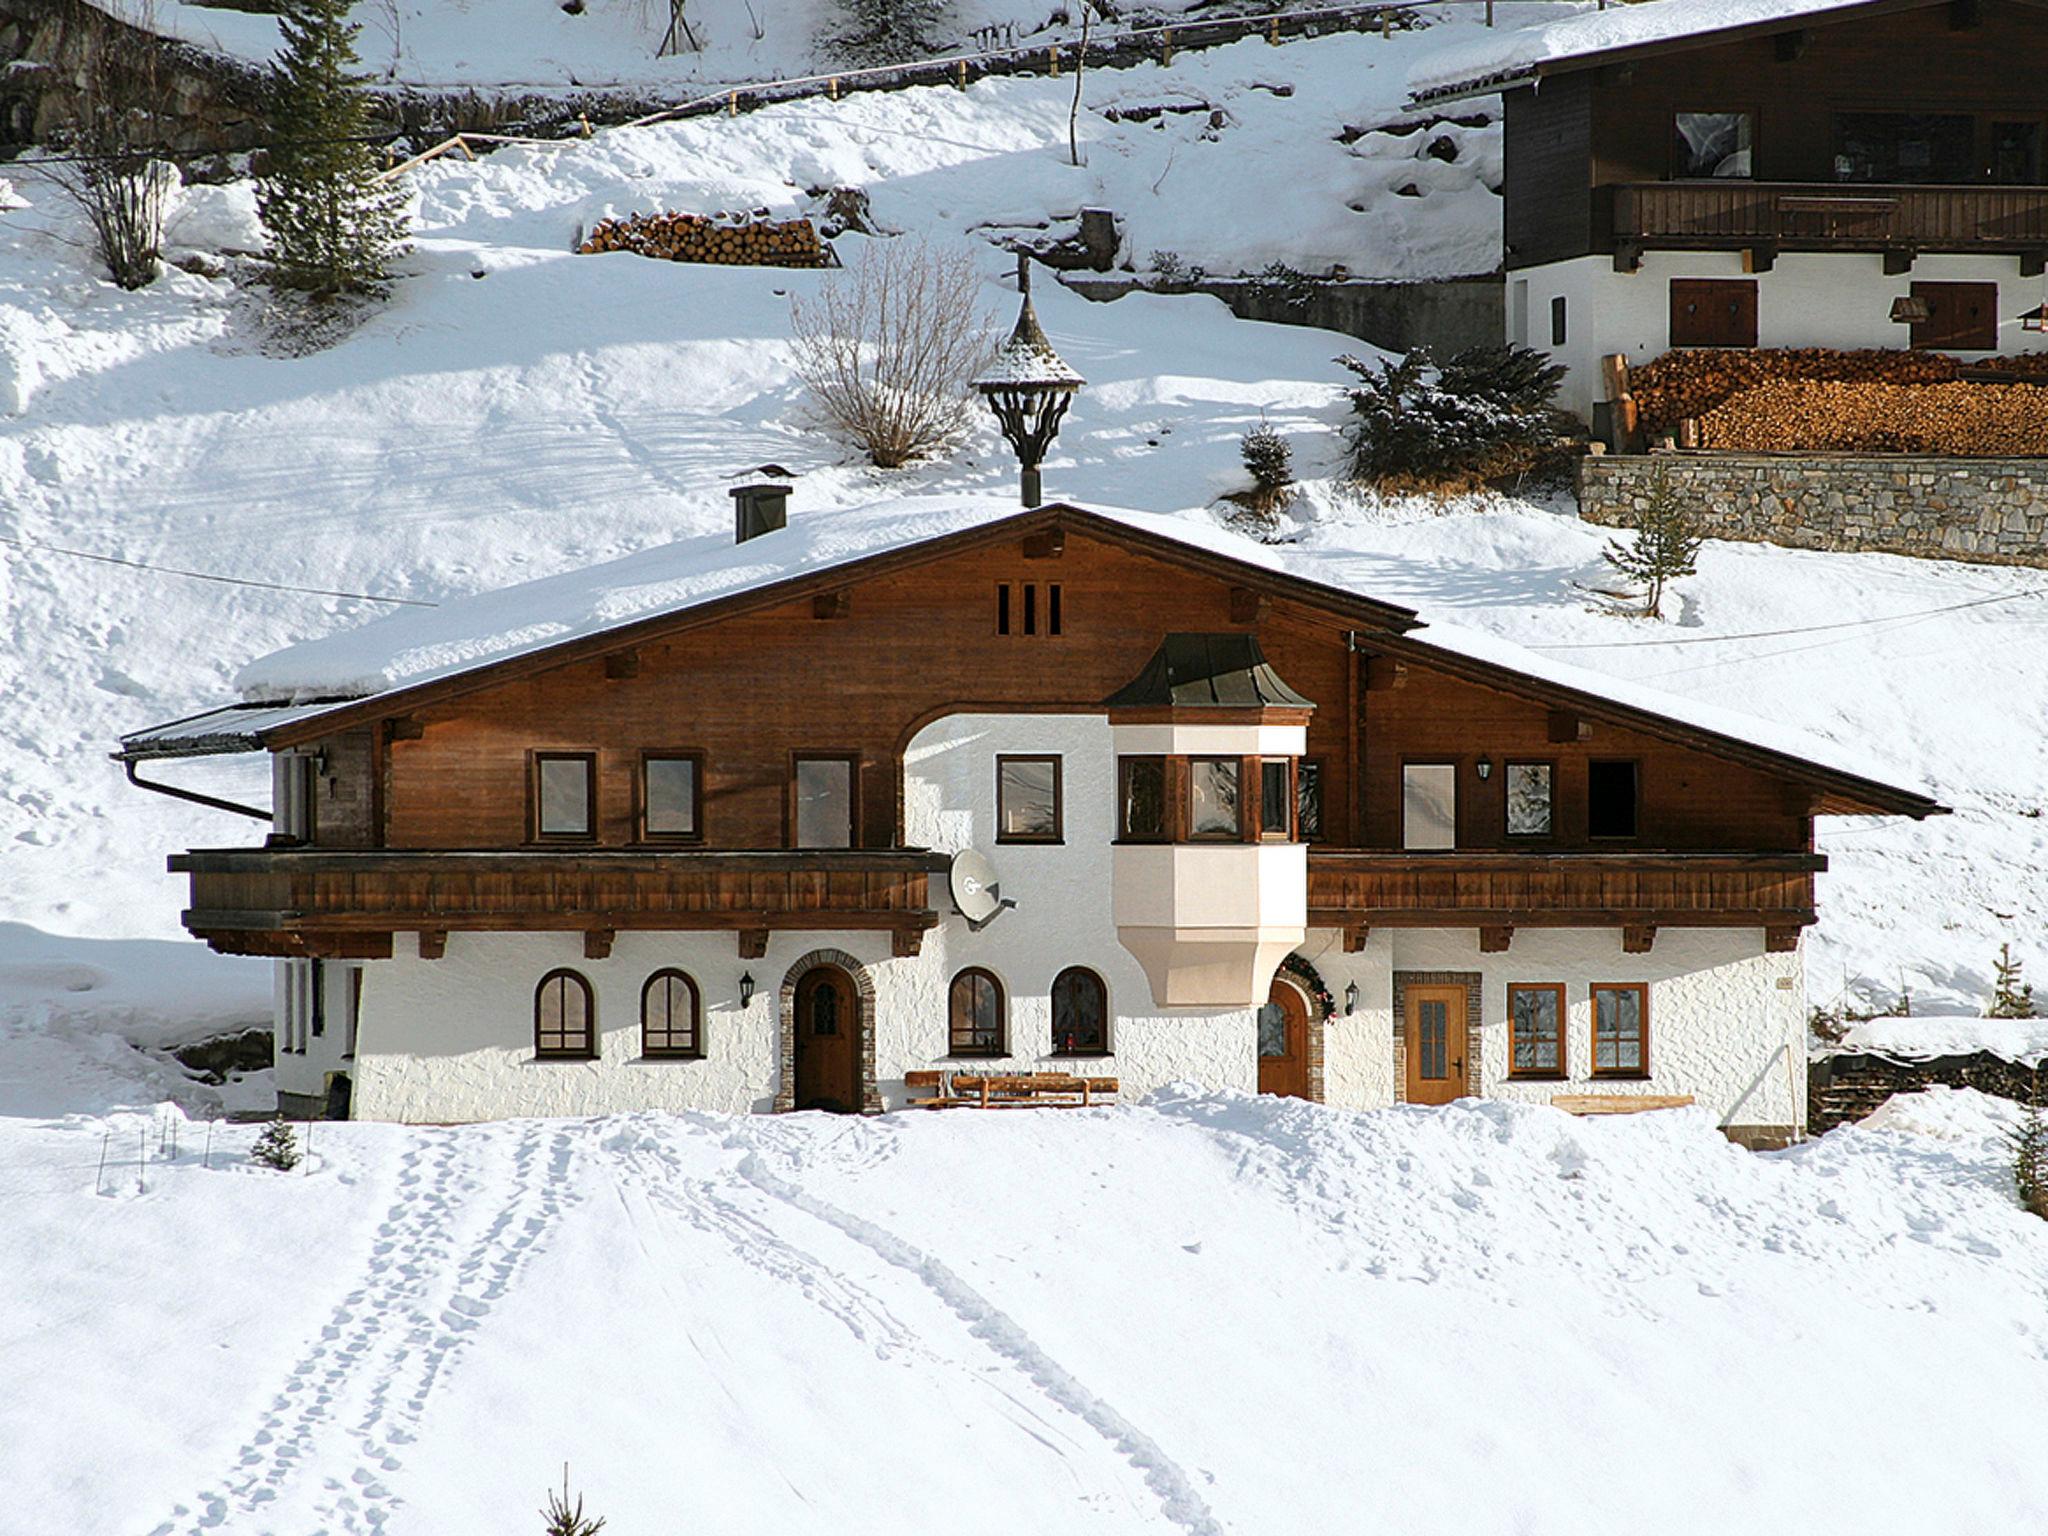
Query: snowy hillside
[1211, 1315]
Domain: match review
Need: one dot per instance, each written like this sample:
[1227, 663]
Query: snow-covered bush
[1270, 462]
[887, 350]
[277, 1147]
[107, 162]
[1473, 420]
[874, 32]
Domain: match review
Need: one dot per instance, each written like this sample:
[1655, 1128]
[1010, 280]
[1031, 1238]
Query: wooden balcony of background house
[1829, 216]
[1498, 892]
[289, 902]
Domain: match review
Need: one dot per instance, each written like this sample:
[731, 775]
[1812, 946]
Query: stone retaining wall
[1989, 510]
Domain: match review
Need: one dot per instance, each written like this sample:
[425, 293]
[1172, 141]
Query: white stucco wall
[1805, 300]
[305, 1072]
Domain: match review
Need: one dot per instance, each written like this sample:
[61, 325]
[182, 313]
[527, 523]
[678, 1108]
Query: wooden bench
[1617, 1103]
[1008, 1090]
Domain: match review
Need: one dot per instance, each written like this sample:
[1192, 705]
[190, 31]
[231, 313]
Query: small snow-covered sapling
[278, 1146]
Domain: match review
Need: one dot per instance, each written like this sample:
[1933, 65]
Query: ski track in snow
[396, 1334]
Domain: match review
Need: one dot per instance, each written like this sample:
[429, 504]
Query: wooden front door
[828, 1040]
[1283, 1042]
[1435, 1044]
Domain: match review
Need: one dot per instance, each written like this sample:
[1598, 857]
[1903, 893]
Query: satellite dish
[976, 893]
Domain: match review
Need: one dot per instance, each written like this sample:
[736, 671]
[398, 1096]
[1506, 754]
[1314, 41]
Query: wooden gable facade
[425, 820]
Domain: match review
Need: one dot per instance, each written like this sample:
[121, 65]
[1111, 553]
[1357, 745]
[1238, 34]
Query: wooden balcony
[1828, 216]
[286, 902]
[1501, 891]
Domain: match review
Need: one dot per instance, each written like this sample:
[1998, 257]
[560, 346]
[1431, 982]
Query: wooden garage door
[1962, 317]
[1707, 312]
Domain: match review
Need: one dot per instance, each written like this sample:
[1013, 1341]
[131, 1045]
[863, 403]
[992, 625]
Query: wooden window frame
[695, 1050]
[1108, 1047]
[1675, 286]
[1320, 768]
[1756, 134]
[1124, 765]
[1636, 810]
[1562, 1070]
[1457, 801]
[1284, 833]
[534, 760]
[1508, 765]
[954, 1050]
[1641, 1070]
[640, 798]
[1059, 799]
[801, 755]
[541, 1053]
[1245, 823]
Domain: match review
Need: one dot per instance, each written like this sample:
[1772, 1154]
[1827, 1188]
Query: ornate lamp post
[1028, 388]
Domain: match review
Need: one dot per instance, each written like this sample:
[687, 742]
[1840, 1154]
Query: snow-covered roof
[1519, 53]
[1922, 1037]
[1028, 358]
[404, 651]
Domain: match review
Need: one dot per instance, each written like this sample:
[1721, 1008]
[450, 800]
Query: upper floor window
[1713, 144]
[1621, 1030]
[1276, 798]
[1308, 799]
[564, 1017]
[1028, 800]
[1080, 1013]
[1141, 799]
[1529, 799]
[1922, 147]
[823, 790]
[669, 1016]
[1215, 807]
[565, 795]
[1029, 608]
[671, 796]
[975, 1010]
[293, 778]
[2016, 153]
[1429, 805]
[1611, 798]
[1535, 1031]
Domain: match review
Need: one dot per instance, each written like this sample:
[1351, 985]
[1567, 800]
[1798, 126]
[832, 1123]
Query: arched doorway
[1283, 1041]
[829, 1029]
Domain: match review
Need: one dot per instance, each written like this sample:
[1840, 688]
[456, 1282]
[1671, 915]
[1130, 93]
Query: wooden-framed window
[671, 1016]
[564, 1018]
[1029, 608]
[1621, 1029]
[1713, 312]
[564, 797]
[1529, 791]
[1712, 146]
[2016, 152]
[1029, 806]
[977, 1025]
[1308, 799]
[295, 778]
[1613, 798]
[1215, 799]
[1276, 798]
[671, 797]
[1536, 1014]
[1937, 148]
[824, 793]
[1429, 805]
[1961, 317]
[1141, 800]
[1080, 1013]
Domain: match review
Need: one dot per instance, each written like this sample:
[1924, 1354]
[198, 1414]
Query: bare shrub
[110, 161]
[888, 349]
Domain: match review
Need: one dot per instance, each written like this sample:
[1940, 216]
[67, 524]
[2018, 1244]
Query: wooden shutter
[1707, 312]
[1963, 317]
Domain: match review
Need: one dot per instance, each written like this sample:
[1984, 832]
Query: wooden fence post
[1054, 54]
[1166, 37]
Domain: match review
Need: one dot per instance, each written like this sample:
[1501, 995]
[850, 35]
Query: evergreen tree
[278, 1146]
[1667, 545]
[562, 1518]
[2011, 998]
[2030, 1154]
[1268, 458]
[333, 228]
[877, 32]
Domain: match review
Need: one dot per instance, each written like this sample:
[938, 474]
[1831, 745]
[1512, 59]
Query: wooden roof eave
[1281, 585]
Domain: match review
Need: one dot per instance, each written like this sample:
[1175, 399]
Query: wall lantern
[1028, 388]
[746, 988]
[2035, 319]
[1911, 310]
[1350, 998]
[1484, 767]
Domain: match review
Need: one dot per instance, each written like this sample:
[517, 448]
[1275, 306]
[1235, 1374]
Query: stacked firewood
[721, 240]
[1845, 416]
[1694, 381]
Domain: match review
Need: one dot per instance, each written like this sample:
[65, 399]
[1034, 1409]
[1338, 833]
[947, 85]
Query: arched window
[975, 1006]
[669, 1016]
[564, 1017]
[1080, 1013]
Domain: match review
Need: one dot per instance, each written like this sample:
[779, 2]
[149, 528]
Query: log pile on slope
[1843, 416]
[718, 240]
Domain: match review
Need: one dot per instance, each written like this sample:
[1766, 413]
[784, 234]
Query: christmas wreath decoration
[1311, 981]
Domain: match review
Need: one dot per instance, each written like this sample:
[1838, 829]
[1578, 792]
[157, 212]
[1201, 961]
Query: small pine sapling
[278, 1146]
[2011, 998]
[1667, 545]
[1270, 462]
[2029, 1140]
[562, 1518]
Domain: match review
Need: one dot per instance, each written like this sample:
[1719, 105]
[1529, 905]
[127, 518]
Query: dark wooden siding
[1546, 187]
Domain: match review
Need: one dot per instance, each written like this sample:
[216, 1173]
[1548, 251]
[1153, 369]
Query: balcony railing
[1830, 216]
[1354, 889]
[331, 902]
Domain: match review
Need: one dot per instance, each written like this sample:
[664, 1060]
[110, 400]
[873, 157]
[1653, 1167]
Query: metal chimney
[758, 509]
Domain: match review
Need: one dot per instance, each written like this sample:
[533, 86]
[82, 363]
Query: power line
[232, 581]
[1804, 629]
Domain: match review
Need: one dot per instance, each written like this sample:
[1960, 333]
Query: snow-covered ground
[1208, 1314]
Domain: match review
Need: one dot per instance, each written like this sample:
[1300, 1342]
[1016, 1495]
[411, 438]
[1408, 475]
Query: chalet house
[1777, 173]
[676, 833]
